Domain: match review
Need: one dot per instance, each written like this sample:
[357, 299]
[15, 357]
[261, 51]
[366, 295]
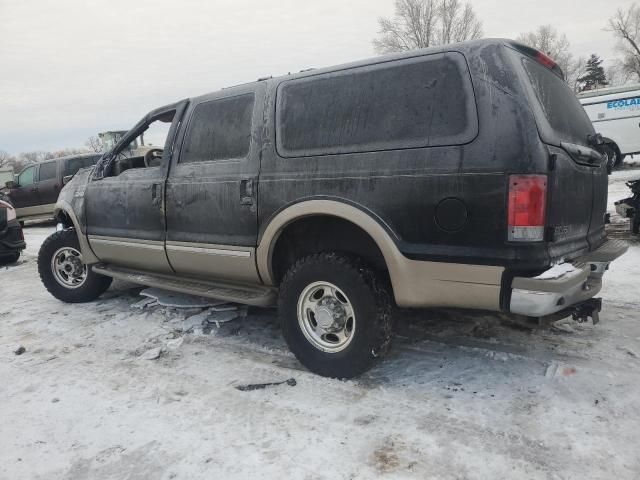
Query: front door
[125, 198]
[24, 196]
[212, 186]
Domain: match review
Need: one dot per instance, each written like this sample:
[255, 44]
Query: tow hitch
[590, 308]
[581, 312]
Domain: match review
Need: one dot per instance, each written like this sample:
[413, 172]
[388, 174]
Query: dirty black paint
[467, 156]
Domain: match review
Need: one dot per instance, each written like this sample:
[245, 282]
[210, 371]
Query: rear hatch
[578, 181]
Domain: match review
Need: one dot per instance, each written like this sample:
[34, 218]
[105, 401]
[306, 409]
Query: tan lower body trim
[36, 210]
[145, 255]
[415, 283]
[213, 261]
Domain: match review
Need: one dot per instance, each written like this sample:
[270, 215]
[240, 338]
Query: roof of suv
[460, 47]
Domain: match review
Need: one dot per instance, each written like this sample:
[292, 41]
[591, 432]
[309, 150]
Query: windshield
[561, 108]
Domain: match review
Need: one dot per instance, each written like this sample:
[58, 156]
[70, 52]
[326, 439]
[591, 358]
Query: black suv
[460, 176]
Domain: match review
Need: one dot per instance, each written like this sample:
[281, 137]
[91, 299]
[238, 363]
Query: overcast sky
[72, 68]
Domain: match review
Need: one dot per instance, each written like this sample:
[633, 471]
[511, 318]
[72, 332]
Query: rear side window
[419, 102]
[47, 171]
[219, 130]
[74, 164]
[561, 108]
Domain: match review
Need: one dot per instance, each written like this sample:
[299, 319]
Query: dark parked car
[35, 190]
[11, 238]
[459, 176]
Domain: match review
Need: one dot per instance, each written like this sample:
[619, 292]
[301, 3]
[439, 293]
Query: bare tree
[94, 144]
[424, 23]
[548, 40]
[625, 25]
[5, 159]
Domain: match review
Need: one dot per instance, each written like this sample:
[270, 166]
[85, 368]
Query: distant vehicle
[6, 175]
[630, 207]
[615, 114]
[11, 238]
[35, 190]
[453, 176]
[135, 148]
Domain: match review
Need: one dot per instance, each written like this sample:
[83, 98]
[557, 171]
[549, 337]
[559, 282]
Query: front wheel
[335, 315]
[64, 274]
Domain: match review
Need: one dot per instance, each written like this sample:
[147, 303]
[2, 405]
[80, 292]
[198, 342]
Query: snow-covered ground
[462, 395]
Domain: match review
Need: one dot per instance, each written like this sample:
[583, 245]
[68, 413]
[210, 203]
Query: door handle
[246, 192]
[156, 193]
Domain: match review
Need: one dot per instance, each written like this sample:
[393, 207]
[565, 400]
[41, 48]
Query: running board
[259, 296]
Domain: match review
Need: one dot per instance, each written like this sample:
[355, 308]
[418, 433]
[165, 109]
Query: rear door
[577, 186]
[211, 199]
[48, 184]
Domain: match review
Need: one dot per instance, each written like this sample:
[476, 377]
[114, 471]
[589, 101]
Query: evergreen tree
[594, 76]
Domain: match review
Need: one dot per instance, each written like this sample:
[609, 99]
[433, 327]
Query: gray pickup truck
[459, 176]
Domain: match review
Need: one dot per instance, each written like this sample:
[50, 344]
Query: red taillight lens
[527, 207]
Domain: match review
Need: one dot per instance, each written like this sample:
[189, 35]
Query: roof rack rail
[262, 79]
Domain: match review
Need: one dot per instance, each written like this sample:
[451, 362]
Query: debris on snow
[152, 354]
[144, 303]
[175, 343]
[628, 351]
[259, 386]
[20, 350]
[179, 300]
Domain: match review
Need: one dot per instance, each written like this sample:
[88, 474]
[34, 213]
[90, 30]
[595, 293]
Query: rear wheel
[64, 274]
[335, 314]
[612, 157]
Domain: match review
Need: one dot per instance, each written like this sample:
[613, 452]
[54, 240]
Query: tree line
[425, 23]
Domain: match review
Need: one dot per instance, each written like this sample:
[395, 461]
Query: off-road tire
[94, 285]
[371, 302]
[612, 157]
[11, 258]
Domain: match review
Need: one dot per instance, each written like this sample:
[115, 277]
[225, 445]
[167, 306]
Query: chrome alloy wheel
[67, 267]
[326, 317]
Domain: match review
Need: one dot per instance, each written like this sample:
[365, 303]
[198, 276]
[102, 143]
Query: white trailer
[615, 113]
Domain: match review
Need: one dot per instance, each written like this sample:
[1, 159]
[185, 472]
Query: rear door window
[219, 130]
[561, 108]
[47, 171]
[412, 103]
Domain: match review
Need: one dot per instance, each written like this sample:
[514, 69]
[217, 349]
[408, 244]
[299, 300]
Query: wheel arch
[64, 214]
[366, 221]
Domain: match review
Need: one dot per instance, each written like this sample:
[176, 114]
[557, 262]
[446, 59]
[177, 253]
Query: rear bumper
[11, 239]
[552, 292]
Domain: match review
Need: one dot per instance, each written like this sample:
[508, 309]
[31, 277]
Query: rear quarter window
[412, 103]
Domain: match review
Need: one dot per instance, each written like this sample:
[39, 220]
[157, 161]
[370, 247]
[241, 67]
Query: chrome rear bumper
[550, 293]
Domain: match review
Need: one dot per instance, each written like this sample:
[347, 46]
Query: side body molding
[415, 283]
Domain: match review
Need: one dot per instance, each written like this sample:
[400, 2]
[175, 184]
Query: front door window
[26, 177]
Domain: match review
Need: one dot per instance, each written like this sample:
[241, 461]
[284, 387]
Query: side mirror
[10, 184]
[66, 179]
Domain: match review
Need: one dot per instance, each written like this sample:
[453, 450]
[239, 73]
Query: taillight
[527, 207]
[11, 213]
[546, 60]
